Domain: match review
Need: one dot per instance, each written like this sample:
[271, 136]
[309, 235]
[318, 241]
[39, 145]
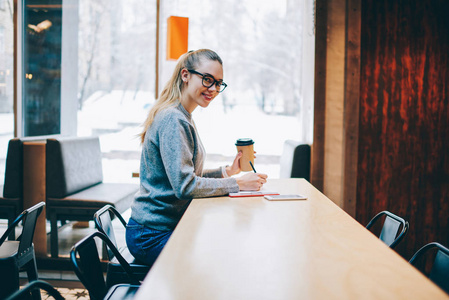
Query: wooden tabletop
[251, 248]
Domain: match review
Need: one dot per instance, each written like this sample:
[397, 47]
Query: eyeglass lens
[209, 81]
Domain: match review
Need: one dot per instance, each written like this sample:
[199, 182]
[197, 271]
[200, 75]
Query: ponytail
[171, 94]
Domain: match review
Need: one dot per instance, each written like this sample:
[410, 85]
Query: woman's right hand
[251, 181]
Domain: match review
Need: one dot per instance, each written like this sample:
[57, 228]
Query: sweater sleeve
[177, 147]
[214, 173]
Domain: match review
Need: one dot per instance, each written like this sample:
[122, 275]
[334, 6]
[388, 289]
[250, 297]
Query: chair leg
[104, 251]
[54, 236]
[31, 269]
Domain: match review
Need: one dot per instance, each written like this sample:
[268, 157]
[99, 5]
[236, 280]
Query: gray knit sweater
[171, 171]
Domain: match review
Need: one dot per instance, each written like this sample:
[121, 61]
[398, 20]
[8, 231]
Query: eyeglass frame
[222, 83]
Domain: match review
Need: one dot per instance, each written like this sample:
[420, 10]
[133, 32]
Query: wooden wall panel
[319, 105]
[403, 162]
[335, 95]
[351, 106]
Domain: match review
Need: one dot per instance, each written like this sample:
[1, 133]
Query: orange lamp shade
[177, 37]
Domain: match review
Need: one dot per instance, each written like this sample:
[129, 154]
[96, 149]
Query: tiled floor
[68, 236]
[68, 294]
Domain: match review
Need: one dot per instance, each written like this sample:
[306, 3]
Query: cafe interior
[360, 123]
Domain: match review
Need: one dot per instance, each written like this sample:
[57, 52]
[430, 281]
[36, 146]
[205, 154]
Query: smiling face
[193, 92]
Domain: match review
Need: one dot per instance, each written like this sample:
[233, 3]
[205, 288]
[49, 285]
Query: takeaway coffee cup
[246, 146]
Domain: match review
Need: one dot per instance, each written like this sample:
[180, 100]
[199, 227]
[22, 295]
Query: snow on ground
[218, 130]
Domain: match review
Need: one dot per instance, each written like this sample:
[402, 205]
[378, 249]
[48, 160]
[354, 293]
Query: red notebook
[252, 194]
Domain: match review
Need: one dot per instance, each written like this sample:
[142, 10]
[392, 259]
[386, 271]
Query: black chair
[12, 190]
[295, 160]
[87, 266]
[394, 228]
[24, 293]
[103, 221]
[439, 272]
[19, 255]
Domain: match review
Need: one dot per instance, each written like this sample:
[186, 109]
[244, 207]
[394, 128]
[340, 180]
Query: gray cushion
[119, 195]
[14, 170]
[10, 208]
[72, 164]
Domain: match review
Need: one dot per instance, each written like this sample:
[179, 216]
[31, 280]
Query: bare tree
[97, 12]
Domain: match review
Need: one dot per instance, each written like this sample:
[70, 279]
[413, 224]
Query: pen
[252, 166]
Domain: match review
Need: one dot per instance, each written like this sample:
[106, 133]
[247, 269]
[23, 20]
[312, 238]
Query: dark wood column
[317, 167]
[403, 163]
[396, 114]
[351, 106]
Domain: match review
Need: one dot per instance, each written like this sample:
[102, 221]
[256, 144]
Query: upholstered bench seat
[74, 184]
[9, 207]
[11, 203]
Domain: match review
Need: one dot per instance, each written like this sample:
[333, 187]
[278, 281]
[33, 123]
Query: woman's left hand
[235, 167]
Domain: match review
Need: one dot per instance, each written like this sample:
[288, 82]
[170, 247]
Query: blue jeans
[144, 243]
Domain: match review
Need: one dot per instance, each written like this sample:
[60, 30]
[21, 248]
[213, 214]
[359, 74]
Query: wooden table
[250, 248]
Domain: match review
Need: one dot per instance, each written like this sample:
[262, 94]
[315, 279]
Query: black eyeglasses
[209, 81]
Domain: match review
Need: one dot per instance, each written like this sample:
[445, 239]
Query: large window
[6, 80]
[116, 77]
[110, 47]
[261, 44]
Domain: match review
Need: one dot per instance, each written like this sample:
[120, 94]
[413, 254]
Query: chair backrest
[86, 263]
[13, 187]
[439, 272]
[28, 218]
[295, 160]
[24, 293]
[394, 228]
[103, 221]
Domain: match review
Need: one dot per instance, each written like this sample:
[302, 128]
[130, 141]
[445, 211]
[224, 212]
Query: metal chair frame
[86, 263]
[439, 272]
[19, 254]
[36, 285]
[103, 221]
[392, 225]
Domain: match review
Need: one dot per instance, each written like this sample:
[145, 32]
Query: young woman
[171, 168]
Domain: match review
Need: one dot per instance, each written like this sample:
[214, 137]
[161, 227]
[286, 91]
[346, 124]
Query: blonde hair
[171, 94]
